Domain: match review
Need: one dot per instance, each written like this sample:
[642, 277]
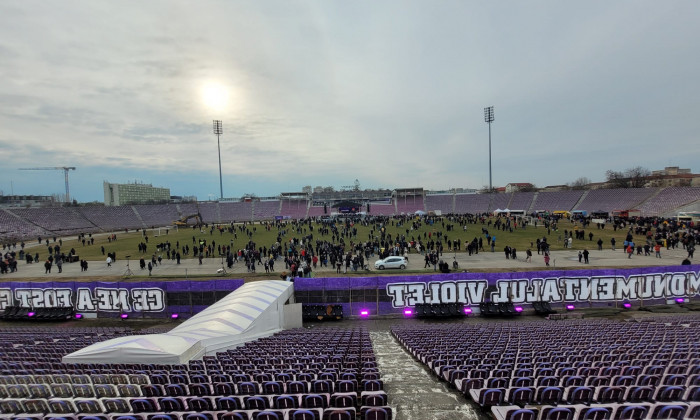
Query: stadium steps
[651, 197]
[81, 216]
[532, 203]
[580, 200]
[26, 221]
[138, 216]
[413, 391]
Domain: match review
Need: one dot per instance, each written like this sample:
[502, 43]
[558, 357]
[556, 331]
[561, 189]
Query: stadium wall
[149, 299]
[601, 287]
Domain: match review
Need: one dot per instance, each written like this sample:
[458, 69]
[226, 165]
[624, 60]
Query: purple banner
[598, 287]
[148, 298]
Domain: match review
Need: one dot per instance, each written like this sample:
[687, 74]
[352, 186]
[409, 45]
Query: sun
[215, 96]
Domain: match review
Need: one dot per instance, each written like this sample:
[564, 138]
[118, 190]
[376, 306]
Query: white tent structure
[254, 310]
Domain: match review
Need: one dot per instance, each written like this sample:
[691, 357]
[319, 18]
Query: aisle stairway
[414, 393]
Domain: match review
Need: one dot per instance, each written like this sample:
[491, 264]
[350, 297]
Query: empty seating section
[158, 214]
[236, 212]
[296, 209]
[558, 201]
[576, 370]
[266, 210]
[382, 209]
[521, 201]
[112, 218]
[62, 220]
[615, 199]
[410, 204]
[472, 203]
[14, 226]
[187, 208]
[500, 201]
[325, 373]
[669, 199]
[442, 202]
[317, 211]
[210, 212]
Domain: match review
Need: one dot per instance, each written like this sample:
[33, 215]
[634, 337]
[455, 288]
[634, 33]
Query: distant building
[519, 186]
[673, 176]
[671, 170]
[122, 194]
[27, 200]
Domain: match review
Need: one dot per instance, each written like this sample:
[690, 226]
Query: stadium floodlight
[488, 118]
[219, 130]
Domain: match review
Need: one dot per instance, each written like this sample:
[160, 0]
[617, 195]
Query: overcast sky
[325, 92]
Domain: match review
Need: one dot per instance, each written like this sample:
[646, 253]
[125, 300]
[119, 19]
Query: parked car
[391, 262]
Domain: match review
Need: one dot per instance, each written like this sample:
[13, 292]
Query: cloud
[390, 93]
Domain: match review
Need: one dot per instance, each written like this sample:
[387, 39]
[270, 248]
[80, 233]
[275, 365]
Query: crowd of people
[306, 245]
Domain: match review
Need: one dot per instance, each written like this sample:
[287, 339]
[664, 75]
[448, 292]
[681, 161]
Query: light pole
[219, 130]
[488, 117]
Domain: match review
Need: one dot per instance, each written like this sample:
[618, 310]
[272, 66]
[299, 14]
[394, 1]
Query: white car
[391, 262]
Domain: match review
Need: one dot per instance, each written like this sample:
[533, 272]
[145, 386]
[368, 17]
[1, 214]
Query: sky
[320, 93]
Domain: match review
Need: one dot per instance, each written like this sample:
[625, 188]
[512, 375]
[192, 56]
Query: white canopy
[253, 310]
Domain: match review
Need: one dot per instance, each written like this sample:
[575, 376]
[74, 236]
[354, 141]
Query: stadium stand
[295, 209]
[60, 220]
[521, 201]
[112, 218]
[523, 370]
[472, 203]
[266, 210]
[381, 209]
[669, 199]
[210, 212]
[316, 211]
[14, 226]
[187, 208]
[558, 200]
[295, 374]
[615, 199]
[442, 202]
[157, 214]
[500, 201]
[410, 205]
[236, 211]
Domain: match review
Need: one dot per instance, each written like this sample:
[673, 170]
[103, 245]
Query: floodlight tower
[219, 130]
[488, 117]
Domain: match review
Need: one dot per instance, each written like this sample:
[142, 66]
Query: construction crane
[65, 170]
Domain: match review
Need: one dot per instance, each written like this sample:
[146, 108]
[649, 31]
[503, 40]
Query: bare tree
[580, 183]
[637, 176]
[616, 179]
